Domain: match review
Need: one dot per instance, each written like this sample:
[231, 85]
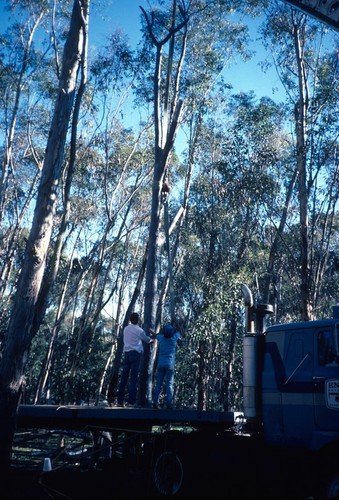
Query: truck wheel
[168, 473]
[332, 487]
[328, 477]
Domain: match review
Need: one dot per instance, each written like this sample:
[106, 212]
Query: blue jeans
[130, 367]
[164, 372]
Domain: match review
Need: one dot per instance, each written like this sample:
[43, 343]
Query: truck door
[326, 378]
[297, 388]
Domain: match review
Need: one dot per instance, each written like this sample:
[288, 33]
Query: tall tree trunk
[20, 331]
[167, 113]
[301, 110]
[271, 272]
[202, 377]
[54, 267]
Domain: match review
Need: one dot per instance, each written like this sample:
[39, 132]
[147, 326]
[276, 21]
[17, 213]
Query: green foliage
[243, 160]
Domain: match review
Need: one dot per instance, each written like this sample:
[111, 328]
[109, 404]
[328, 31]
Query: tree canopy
[136, 178]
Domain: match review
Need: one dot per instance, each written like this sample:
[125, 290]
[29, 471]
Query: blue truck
[291, 392]
[283, 444]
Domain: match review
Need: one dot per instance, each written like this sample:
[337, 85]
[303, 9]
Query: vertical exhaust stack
[253, 349]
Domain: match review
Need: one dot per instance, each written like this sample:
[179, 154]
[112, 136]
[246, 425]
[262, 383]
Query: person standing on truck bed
[133, 337]
[168, 339]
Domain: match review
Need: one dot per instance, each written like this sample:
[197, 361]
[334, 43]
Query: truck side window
[328, 348]
[336, 339]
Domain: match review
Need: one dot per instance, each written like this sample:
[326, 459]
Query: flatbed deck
[80, 417]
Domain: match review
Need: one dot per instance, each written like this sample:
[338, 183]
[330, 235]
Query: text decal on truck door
[332, 393]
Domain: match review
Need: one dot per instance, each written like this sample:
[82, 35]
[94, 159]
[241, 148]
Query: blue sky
[244, 76]
[108, 15]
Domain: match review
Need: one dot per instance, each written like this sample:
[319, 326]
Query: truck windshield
[328, 347]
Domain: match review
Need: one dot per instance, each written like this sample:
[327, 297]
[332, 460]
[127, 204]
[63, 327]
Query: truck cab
[300, 383]
[291, 378]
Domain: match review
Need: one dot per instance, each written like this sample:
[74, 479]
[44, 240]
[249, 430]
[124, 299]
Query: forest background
[91, 138]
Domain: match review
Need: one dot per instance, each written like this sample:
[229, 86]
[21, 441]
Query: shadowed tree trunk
[21, 327]
[202, 377]
[271, 276]
[301, 113]
[167, 116]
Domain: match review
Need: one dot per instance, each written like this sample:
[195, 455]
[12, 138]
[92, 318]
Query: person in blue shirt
[168, 339]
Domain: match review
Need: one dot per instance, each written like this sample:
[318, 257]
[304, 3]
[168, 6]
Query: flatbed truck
[284, 443]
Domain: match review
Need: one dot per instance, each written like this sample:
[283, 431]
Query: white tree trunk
[19, 334]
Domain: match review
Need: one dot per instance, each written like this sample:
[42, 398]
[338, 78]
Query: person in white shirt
[133, 337]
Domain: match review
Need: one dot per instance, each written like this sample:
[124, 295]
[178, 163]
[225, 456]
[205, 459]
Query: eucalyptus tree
[15, 72]
[21, 157]
[119, 226]
[103, 251]
[188, 42]
[233, 196]
[102, 203]
[120, 186]
[30, 64]
[21, 326]
[306, 59]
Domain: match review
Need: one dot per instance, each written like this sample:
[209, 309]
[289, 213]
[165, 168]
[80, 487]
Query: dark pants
[164, 372]
[130, 367]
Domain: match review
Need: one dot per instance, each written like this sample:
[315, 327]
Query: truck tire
[170, 467]
[168, 473]
[328, 474]
[331, 489]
